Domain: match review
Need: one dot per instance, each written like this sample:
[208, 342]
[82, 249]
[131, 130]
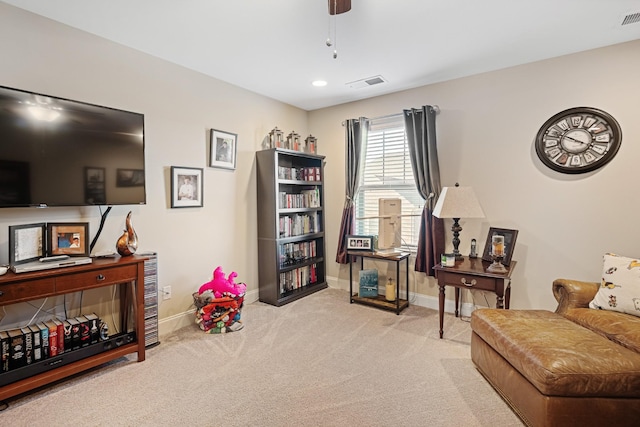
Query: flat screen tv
[59, 152]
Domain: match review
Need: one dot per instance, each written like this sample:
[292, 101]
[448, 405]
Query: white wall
[486, 131]
[180, 106]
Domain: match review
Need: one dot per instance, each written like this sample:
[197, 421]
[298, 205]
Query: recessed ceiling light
[319, 83]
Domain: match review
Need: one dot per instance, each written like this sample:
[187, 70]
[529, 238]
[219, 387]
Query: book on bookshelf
[368, 283]
[17, 355]
[44, 333]
[4, 351]
[296, 279]
[93, 322]
[75, 334]
[28, 344]
[60, 335]
[37, 342]
[53, 337]
[85, 331]
[67, 334]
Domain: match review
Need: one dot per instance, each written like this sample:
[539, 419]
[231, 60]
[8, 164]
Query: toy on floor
[219, 285]
[219, 303]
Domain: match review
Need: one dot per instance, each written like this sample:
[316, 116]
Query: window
[387, 173]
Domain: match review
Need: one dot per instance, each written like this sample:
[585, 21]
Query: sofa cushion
[618, 327]
[559, 357]
[620, 285]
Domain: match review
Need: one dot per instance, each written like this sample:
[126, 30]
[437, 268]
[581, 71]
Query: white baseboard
[415, 299]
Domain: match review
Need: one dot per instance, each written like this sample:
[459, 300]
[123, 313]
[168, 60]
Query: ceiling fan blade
[336, 7]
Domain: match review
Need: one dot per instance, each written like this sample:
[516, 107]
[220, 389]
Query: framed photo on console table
[509, 244]
[26, 243]
[360, 243]
[68, 238]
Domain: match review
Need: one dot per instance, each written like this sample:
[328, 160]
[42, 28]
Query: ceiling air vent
[369, 81]
[631, 18]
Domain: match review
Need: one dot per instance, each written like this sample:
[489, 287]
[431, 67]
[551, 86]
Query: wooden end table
[471, 273]
[380, 302]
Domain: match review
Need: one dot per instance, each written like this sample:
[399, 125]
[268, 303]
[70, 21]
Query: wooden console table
[127, 273]
[399, 304]
[471, 273]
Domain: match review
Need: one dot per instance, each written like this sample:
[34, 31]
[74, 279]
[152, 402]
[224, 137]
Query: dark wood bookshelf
[274, 168]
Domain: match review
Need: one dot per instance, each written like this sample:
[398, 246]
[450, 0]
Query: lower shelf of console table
[380, 301]
[127, 273]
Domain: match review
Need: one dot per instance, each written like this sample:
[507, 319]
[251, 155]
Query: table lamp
[457, 202]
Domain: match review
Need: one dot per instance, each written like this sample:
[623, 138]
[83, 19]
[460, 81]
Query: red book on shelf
[60, 330]
[53, 338]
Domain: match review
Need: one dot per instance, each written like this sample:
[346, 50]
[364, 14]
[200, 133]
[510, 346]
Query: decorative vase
[127, 244]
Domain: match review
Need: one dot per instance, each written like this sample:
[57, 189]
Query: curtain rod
[435, 108]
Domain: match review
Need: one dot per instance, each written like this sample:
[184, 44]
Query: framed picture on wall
[186, 187]
[223, 148]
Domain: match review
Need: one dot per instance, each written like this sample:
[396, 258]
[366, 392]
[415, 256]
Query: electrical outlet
[166, 292]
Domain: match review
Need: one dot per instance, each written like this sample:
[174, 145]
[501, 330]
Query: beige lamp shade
[458, 202]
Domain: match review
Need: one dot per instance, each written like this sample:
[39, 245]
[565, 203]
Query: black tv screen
[59, 152]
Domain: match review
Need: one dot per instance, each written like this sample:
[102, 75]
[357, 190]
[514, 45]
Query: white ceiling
[278, 47]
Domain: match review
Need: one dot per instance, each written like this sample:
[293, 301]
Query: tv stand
[127, 273]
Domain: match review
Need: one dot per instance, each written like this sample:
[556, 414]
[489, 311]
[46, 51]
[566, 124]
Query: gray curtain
[356, 133]
[420, 125]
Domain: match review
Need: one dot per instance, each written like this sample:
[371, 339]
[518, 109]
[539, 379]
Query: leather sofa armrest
[573, 294]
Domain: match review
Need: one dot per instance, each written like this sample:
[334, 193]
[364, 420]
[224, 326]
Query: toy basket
[218, 315]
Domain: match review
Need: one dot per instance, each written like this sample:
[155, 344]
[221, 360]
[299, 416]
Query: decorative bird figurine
[127, 243]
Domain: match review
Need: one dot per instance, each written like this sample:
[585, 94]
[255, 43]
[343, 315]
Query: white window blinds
[387, 173]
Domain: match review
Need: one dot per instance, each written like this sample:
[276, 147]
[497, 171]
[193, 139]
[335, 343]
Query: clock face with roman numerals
[578, 140]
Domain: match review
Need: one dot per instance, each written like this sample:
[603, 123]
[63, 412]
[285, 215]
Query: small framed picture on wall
[223, 148]
[186, 187]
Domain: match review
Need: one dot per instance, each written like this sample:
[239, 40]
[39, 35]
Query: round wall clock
[578, 140]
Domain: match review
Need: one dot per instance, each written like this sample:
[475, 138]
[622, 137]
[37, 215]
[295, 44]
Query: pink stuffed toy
[221, 286]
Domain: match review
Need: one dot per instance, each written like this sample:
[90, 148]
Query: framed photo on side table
[26, 243]
[186, 187]
[360, 243]
[68, 238]
[509, 244]
[223, 149]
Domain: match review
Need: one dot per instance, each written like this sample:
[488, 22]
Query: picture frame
[94, 186]
[68, 238]
[360, 243]
[129, 177]
[186, 187]
[223, 149]
[510, 237]
[27, 243]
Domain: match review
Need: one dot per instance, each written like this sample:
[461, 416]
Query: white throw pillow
[620, 286]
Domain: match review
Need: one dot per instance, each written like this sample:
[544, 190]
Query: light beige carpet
[319, 361]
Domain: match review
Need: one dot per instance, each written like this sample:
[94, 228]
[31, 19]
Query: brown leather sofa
[575, 367]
